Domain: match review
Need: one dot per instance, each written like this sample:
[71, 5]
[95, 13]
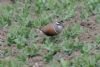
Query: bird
[52, 29]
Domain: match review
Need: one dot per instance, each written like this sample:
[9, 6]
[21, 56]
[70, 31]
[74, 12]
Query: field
[21, 45]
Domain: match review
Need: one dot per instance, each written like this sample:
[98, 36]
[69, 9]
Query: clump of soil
[92, 29]
[3, 37]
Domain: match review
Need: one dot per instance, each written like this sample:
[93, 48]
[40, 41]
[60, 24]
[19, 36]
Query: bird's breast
[49, 30]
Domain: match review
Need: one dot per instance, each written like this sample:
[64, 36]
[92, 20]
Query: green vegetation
[21, 18]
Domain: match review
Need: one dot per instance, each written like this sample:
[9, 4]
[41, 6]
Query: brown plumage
[52, 29]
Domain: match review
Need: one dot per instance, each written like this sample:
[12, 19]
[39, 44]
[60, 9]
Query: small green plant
[64, 63]
[31, 51]
[18, 36]
[84, 60]
[6, 16]
[52, 50]
[98, 39]
[73, 31]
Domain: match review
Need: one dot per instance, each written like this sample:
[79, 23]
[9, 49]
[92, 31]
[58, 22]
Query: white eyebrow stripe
[57, 23]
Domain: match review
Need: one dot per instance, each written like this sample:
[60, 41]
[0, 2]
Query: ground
[21, 44]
